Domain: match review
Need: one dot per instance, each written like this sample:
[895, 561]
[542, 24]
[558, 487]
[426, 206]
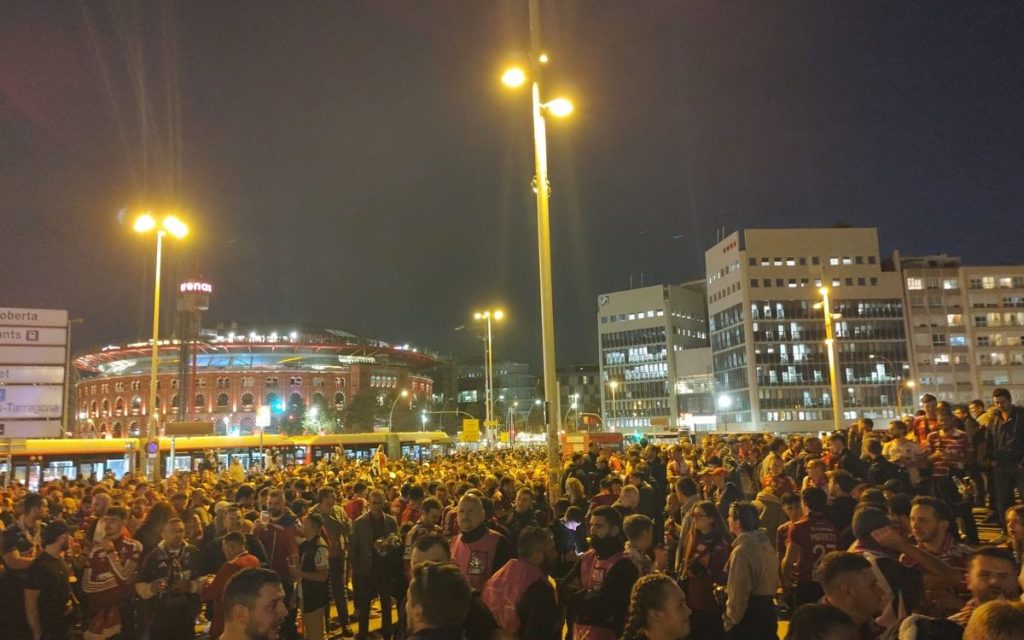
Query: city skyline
[365, 174]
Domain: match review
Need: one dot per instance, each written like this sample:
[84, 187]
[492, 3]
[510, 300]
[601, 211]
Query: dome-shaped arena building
[232, 376]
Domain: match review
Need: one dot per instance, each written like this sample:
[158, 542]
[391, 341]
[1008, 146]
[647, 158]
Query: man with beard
[168, 586]
[371, 536]
[278, 535]
[598, 586]
[254, 606]
[109, 573]
[992, 576]
[338, 529]
[519, 594]
[49, 605]
[19, 544]
[930, 520]
[478, 550]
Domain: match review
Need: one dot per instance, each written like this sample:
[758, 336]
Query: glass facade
[637, 359]
[791, 359]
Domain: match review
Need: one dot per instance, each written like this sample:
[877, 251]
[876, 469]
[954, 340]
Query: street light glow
[144, 223]
[559, 107]
[404, 394]
[724, 401]
[543, 58]
[499, 314]
[174, 226]
[513, 77]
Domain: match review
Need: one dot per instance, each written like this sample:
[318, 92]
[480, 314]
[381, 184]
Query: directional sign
[33, 337]
[31, 375]
[31, 402]
[32, 355]
[12, 316]
[470, 430]
[29, 429]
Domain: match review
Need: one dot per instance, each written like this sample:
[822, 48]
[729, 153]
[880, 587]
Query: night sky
[358, 164]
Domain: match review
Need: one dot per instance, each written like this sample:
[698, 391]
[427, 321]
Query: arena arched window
[174, 401]
[271, 400]
[137, 404]
[319, 400]
[200, 401]
[106, 407]
[339, 398]
[222, 400]
[295, 400]
[247, 400]
[119, 406]
[92, 408]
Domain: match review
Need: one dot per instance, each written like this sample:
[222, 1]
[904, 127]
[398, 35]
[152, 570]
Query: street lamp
[833, 375]
[391, 414]
[489, 315]
[558, 107]
[613, 385]
[899, 382]
[169, 225]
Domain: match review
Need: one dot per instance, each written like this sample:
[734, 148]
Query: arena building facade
[234, 375]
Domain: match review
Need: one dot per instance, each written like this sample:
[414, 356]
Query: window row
[639, 315]
[792, 261]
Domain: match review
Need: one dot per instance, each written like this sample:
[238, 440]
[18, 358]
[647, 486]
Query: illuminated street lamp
[173, 226]
[899, 382]
[558, 107]
[614, 386]
[391, 414]
[489, 315]
[833, 375]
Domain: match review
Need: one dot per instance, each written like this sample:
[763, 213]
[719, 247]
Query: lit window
[833, 261]
[950, 283]
[915, 284]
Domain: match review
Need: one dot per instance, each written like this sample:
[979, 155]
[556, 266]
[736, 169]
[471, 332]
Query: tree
[360, 412]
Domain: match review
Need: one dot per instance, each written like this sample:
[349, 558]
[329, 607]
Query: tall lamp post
[173, 226]
[613, 385]
[833, 374]
[899, 382]
[558, 107]
[489, 315]
[391, 414]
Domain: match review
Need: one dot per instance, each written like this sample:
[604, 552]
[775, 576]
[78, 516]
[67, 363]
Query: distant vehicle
[41, 460]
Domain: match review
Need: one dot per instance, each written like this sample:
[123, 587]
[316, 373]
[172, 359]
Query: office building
[966, 326]
[642, 335]
[768, 340]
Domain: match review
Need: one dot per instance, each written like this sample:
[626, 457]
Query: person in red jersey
[233, 544]
[808, 540]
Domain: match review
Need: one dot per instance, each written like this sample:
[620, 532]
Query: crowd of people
[861, 534]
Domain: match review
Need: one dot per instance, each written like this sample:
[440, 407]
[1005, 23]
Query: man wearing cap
[49, 605]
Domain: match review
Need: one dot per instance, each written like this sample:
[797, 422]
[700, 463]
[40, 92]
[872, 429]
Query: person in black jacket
[597, 588]
[1007, 446]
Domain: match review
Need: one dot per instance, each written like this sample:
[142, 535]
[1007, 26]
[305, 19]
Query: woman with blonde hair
[576, 494]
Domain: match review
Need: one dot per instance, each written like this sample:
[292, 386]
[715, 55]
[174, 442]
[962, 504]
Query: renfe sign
[33, 353]
[195, 286]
